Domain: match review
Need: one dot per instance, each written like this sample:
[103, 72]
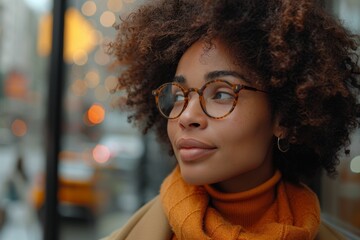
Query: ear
[279, 130]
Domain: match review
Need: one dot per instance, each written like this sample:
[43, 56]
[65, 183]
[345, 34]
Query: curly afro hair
[304, 57]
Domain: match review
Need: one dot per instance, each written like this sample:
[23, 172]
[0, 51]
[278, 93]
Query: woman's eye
[178, 96]
[221, 95]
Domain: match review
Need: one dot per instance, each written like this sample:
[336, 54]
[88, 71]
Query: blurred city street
[20, 219]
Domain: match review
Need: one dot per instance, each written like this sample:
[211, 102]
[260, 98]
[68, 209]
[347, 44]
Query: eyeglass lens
[217, 99]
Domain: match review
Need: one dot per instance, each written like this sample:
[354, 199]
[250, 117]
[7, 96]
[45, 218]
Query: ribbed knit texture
[273, 210]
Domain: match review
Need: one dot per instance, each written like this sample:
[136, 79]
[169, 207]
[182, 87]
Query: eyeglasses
[217, 98]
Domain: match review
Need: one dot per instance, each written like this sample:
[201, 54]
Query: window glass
[23, 91]
[340, 197]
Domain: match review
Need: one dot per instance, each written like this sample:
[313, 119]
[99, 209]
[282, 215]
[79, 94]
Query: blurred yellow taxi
[78, 194]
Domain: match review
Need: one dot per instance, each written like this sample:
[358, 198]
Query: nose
[193, 116]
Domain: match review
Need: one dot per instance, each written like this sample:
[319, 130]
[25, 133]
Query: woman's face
[233, 153]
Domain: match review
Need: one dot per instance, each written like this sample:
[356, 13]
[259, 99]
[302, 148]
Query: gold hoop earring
[283, 145]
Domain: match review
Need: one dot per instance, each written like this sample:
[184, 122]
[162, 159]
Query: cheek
[171, 128]
[250, 131]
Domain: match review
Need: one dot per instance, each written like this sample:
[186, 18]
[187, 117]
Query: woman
[253, 97]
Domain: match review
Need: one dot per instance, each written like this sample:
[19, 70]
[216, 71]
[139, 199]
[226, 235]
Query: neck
[248, 180]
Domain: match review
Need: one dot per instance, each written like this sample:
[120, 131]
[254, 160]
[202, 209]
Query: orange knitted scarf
[273, 210]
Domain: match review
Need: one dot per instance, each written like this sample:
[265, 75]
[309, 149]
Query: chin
[195, 178]
[198, 173]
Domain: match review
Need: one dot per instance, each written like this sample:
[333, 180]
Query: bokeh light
[115, 5]
[79, 88]
[355, 164]
[98, 37]
[107, 19]
[92, 79]
[111, 83]
[101, 57]
[19, 127]
[89, 8]
[96, 114]
[101, 154]
[80, 57]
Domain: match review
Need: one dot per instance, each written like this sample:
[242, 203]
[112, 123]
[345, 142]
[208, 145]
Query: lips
[192, 149]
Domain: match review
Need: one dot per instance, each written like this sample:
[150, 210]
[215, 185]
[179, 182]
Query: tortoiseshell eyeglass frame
[235, 87]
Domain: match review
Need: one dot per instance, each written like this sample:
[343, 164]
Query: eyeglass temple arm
[252, 89]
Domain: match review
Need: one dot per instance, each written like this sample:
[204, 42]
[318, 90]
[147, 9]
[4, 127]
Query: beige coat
[150, 223]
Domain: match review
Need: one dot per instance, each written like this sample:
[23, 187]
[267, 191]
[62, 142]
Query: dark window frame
[53, 121]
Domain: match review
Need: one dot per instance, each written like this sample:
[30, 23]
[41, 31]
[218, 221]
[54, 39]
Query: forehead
[201, 59]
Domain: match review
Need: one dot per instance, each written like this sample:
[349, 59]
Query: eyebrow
[214, 75]
[223, 73]
[179, 79]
